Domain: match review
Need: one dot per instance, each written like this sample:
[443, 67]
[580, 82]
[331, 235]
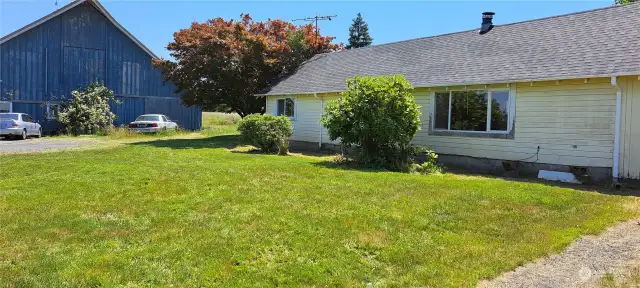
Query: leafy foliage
[359, 34]
[622, 2]
[267, 132]
[88, 112]
[221, 64]
[379, 116]
[429, 160]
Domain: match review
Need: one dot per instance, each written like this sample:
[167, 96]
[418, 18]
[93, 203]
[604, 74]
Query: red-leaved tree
[221, 64]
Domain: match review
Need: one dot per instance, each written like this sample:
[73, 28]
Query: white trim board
[70, 6]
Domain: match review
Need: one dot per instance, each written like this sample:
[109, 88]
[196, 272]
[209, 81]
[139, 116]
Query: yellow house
[556, 93]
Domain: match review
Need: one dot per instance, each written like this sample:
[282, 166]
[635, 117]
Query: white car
[152, 123]
[19, 125]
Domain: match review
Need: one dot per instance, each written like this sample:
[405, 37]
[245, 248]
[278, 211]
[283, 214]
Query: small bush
[88, 111]
[430, 158]
[267, 132]
[378, 116]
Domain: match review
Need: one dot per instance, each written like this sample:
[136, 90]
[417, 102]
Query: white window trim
[295, 106]
[511, 103]
[10, 105]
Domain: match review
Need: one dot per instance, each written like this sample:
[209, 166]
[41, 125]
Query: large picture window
[472, 110]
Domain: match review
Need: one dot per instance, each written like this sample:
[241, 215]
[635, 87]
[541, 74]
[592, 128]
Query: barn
[41, 63]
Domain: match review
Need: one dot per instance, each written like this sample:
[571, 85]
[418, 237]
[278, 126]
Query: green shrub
[379, 117]
[267, 132]
[429, 158]
[88, 111]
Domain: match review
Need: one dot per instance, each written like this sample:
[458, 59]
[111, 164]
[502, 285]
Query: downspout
[616, 133]
[321, 109]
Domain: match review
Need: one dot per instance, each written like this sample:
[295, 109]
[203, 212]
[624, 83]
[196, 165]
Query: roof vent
[487, 22]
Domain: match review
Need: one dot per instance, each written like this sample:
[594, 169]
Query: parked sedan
[19, 125]
[152, 123]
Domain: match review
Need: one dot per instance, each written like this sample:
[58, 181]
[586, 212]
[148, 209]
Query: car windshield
[10, 116]
[148, 118]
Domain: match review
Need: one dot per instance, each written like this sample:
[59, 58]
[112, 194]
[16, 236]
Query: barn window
[52, 111]
[286, 107]
[130, 78]
[472, 111]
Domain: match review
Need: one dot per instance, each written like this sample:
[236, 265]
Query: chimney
[487, 22]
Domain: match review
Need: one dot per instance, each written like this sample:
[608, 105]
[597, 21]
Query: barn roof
[597, 43]
[94, 3]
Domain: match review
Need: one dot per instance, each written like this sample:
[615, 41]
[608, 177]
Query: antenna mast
[316, 18]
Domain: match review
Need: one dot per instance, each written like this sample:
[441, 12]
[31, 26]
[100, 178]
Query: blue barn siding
[128, 109]
[78, 47]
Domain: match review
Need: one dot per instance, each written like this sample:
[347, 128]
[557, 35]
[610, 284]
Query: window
[130, 78]
[148, 118]
[472, 111]
[26, 118]
[286, 107]
[5, 107]
[10, 116]
[52, 111]
[164, 119]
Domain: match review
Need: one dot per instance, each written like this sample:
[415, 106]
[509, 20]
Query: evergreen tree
[359, 34]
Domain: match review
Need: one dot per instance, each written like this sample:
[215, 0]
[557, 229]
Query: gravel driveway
[582, 264]
[43, 144]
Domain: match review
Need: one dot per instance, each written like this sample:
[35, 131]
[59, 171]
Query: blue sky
[153, 22]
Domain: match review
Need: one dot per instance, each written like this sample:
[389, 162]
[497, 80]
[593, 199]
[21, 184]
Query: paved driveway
[37, 145]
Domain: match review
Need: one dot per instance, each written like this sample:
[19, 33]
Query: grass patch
[189, 211]
[629, 280]
[216, 118]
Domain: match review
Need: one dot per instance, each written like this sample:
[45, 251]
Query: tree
[88, 110]
[359, 34]
[222, 64]
[379, 116]
[622, 2]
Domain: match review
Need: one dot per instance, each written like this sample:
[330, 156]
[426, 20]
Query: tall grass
[217, 118]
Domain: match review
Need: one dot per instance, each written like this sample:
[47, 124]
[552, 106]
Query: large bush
[87, 112]
[379, 117]
[267, 132]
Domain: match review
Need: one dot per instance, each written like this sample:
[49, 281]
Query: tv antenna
[56, 3]
[316, 19]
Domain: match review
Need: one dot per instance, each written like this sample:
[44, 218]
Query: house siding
[75, 48]
[572, 122]
[629, 165]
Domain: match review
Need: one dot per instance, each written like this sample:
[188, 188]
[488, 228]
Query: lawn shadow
[222, 141]
[626, 188]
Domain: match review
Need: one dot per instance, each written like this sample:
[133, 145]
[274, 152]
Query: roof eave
[473, 83]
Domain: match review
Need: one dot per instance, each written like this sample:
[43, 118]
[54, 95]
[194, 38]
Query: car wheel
[23, 136]
[39, 135]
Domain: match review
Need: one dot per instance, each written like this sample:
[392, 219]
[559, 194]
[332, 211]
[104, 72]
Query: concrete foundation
[521, 169]
[487, 166]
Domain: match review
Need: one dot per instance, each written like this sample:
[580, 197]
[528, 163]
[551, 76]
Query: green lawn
[193, 213]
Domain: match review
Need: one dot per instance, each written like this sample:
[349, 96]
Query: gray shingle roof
[601, 42]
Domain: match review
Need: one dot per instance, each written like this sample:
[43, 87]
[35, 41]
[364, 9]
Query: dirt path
[582, 264]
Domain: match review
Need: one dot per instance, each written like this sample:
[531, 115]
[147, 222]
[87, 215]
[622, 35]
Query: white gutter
[321, 111]
[616, 133]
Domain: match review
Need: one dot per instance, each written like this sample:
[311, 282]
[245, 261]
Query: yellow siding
[306, 125]
[571, 121]
[630, 128]
[325, 135]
